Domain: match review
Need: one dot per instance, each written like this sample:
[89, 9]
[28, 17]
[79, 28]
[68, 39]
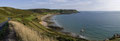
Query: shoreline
[48, 22]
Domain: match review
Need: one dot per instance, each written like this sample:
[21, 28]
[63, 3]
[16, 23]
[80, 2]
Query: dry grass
[27, 34]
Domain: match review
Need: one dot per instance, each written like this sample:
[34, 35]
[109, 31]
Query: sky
[81, 5]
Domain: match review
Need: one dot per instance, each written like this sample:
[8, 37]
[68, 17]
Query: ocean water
[97, 25]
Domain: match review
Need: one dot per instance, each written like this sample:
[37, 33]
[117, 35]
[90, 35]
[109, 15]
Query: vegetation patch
[4, 32]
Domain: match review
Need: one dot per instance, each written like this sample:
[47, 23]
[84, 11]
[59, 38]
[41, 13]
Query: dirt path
[11, 36]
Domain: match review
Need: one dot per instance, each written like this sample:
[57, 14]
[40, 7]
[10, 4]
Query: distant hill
[60, 11]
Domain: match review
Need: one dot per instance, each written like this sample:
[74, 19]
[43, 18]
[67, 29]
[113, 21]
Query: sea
[96, 25]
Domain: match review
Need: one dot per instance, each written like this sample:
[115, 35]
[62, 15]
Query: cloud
[82, 5]
[64, 4]
[93, 5]
[109, 5]
[73, 4]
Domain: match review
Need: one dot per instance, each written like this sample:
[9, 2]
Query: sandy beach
[43, 20]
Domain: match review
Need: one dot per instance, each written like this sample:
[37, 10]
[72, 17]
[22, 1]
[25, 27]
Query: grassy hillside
[30, 21]
[16, 14]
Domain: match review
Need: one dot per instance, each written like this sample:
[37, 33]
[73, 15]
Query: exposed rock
[55, 27]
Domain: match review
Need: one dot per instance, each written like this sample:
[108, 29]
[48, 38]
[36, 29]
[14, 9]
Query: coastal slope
[27, 27]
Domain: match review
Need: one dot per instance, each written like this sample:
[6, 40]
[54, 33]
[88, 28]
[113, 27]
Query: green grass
[3, 19]
[30, 18]
[35, 27]
[117, 39]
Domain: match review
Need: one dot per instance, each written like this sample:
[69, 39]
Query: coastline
[48, 22]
